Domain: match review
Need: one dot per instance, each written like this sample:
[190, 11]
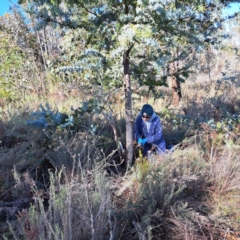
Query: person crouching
[147, 131]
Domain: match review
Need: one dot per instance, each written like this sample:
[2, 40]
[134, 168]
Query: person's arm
[137, 128]
[156, 131]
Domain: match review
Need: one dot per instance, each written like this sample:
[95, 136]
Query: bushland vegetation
[70, 183]
[63, 169]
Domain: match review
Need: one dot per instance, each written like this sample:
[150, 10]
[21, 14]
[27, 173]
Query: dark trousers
[147, 147]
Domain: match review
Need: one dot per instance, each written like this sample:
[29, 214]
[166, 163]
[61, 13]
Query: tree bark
[176, 91]
[128, 109]
[128, 100]
[176, 85]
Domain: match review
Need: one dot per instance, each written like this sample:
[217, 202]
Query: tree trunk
[128, 109]
[176, 91]
[176, 85]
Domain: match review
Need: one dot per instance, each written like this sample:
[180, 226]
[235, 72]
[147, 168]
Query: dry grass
[190, 193]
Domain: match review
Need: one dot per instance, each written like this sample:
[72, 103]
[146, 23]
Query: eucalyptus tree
[142, 41]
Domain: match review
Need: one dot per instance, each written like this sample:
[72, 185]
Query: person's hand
[144, 141]
[140, 141]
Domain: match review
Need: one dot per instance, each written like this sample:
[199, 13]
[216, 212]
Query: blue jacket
[153, 136]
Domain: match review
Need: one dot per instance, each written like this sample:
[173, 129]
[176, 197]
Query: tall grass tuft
[77, 209]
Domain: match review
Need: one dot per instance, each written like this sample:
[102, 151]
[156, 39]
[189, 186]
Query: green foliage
[46, 117]
[90, 117]
[156, 33]
[11, 68]
[20, 65]
[141, 169]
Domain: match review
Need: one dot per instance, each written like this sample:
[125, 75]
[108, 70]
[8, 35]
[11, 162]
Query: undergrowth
[191, 192]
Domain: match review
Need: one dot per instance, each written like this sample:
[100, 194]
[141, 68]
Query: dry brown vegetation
[65, 183]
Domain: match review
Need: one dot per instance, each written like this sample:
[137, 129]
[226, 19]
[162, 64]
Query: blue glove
[144, 141]
[140, 141]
